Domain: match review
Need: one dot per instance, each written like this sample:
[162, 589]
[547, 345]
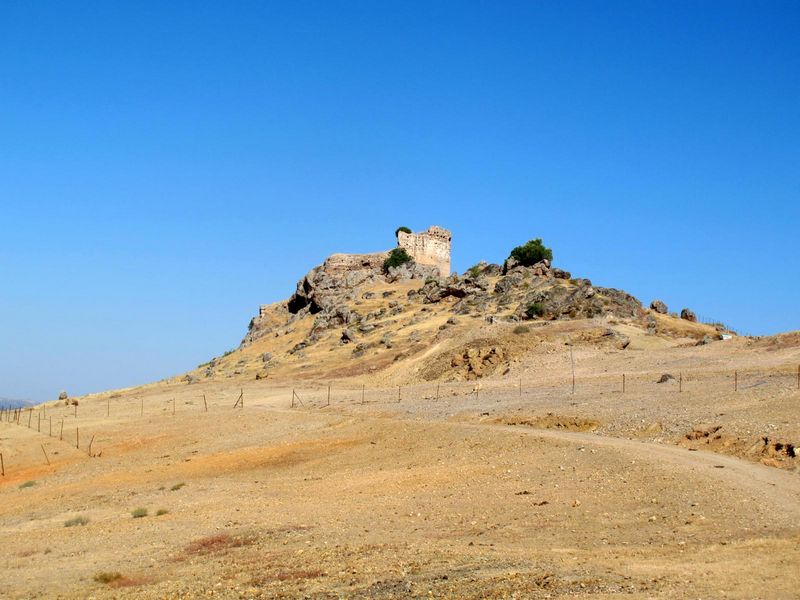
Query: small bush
[396, 257]
[520, 329]
[139, 513]
[161, 511]
[535, 310]
[177, 486]
[531, 253]
[27, 484]
[401, 228]
[474, 271]
[107, 576]
[76, 521]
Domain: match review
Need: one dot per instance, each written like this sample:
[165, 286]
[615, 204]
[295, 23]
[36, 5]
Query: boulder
[665, 378]
[63, 395]
[688, 315]
[659, 306]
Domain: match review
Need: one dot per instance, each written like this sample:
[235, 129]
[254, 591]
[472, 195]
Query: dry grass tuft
[216, 544]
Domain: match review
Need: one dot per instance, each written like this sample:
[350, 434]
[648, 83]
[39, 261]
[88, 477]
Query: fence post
[363, 388]
[292, 398]
[520, 387]
[623, 383]
[30, 416]
[77, 438]
[398, 394]
[205, 404]
[2, 465]
[680, 381]
[329, 395]
[736, 381]
[572, 362]
[438, 384]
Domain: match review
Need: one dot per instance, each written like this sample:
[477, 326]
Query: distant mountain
[14, 403]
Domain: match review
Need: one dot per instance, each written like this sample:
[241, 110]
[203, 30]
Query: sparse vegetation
[107, 576]
[27, 484]
[536, 309]
[161, 511]
[474, 271]
[397, 257]
[531, 253]
[76, 521]
[139, 513]
[215, 544]
[520, 329]
[177, 486]
[401, 228]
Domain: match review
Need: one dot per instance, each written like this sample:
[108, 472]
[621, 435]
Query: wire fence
[79, 424]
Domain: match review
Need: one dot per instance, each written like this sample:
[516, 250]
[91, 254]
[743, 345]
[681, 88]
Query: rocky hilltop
[356, 315]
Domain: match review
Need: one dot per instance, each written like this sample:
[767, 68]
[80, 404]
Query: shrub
[177, 486]
[76, 521]
[107, 576]
[401, 228]
[520, 329]
[139, 513]
[27, 484]
[474, 271]
[397, 257]
[535, 310]
[161, 511]
[531, 253]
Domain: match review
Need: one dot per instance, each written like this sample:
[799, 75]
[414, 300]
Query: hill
[510, 432]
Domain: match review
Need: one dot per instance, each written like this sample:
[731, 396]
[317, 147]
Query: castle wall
[336, 263]
[430, 247]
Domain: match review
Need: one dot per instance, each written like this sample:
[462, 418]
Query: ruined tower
[429, 247]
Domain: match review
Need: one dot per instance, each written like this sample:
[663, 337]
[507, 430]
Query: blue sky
[166, 167]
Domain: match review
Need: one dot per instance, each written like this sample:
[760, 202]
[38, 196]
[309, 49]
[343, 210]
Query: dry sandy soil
[516, 487]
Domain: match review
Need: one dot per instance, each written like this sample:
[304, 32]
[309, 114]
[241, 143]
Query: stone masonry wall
[429, 247]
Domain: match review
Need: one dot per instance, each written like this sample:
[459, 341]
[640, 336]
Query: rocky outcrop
[578, 302]
[688, 315]
[477, 362]
[659, 307]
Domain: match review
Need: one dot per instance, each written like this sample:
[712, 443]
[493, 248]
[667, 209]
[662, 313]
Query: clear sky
[165, 167]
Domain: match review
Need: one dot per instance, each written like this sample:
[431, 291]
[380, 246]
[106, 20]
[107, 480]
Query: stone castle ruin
[340, 273]
[430, 247]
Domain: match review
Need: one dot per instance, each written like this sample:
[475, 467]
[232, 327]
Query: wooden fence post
[572, 362]
[141, 412]
[437, 390]
[89, 450]
[623, 383]
[398, 394]
[30, 416]
[363, 390]
[680, 382]
[205, 404]
[39, 422]
[736, 381]
[77, 438]
[2, 465]
[520, 387]
[329, 395]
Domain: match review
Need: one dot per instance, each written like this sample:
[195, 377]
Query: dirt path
[780, 487]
